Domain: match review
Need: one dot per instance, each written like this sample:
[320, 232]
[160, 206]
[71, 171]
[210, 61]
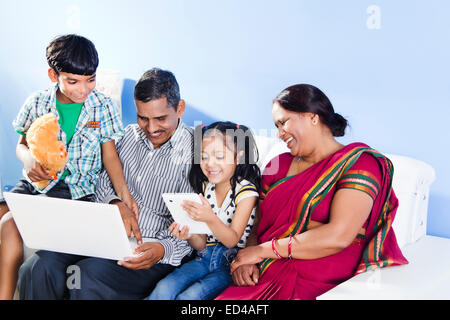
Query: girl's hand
[182, 234]
[199, 212]
[250, 255]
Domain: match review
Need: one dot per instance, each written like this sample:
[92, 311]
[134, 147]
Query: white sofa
[427, 276]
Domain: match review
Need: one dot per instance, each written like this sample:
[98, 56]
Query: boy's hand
[38, 173]
[35, 171]
[129, 221]
[29, 162]
[199, 212]
[131, 203]
[182, 234]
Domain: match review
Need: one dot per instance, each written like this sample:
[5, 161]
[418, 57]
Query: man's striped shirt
[150, 172]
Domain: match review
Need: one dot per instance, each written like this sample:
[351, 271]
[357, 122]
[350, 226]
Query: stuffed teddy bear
[42, 139]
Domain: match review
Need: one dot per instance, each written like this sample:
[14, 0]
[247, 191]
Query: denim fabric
[203, 278]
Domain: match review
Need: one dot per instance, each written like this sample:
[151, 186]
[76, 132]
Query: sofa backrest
[411, 184]
[110, 83]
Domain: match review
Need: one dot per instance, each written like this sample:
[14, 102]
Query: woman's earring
[314, 122]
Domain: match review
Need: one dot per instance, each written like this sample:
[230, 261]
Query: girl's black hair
[72, 54]
[245, 149]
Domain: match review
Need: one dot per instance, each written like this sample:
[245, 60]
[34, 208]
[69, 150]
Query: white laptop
[70, 226]
[173, 202]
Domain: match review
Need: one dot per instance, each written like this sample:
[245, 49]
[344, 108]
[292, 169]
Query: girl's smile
[218, 162]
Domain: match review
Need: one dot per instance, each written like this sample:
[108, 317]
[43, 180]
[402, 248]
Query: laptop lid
[70, 226]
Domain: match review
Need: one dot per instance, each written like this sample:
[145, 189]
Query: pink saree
[289, 203]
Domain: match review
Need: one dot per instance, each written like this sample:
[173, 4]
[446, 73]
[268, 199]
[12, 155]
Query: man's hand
[152, 252]
[246, 275]
[129, 220]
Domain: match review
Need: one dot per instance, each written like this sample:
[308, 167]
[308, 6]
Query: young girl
[227, 180]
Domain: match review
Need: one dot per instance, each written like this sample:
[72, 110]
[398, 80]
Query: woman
[326, 209]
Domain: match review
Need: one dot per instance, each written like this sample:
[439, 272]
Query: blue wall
[385, 67]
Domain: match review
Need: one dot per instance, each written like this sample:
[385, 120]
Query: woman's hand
[250, 255]
[199, 212]
[182, 234]
[246, 275]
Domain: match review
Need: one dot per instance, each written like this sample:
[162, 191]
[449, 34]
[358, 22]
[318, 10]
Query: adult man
[156, 154]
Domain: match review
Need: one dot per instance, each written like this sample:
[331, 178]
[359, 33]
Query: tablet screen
[173, 202]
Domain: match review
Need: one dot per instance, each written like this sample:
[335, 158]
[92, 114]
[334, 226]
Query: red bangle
[290, 247]
[274, 249]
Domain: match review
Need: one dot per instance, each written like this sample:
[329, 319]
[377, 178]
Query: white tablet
[173, 202]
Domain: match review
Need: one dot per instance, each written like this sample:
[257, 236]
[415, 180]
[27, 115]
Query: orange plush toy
[42, 139]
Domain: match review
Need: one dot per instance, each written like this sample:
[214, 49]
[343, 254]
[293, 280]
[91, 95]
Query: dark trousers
[60, 190]
[52, 275]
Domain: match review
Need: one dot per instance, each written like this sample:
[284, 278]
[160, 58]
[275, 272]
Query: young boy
[89, 125]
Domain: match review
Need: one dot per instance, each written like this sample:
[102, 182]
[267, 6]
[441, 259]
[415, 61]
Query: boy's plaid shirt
[99, 122]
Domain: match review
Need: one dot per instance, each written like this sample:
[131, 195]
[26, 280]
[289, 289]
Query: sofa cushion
[427, 276]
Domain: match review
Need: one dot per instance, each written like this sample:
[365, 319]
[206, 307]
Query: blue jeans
[203, 278]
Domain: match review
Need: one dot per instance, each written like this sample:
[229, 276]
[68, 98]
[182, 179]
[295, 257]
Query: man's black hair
[155, 84]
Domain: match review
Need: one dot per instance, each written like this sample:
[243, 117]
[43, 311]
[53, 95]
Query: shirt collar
[177, 137]
[52, 100]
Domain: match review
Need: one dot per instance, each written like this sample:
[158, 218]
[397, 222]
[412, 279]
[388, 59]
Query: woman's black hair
[307, 98]
[245, 150]
[72, 54]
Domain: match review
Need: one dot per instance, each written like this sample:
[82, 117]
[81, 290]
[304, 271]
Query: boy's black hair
[245, 149]
[72, 54]
[155, 84]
